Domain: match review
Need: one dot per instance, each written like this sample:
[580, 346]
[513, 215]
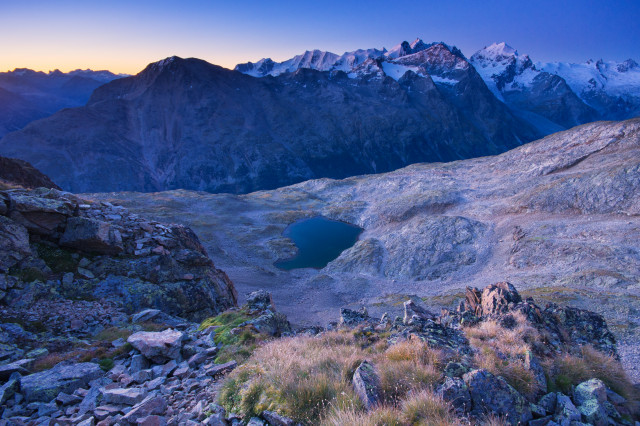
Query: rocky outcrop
[564, 325]
[90, 250]
[496, 298]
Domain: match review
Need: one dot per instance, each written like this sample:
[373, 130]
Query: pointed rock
[367, 385]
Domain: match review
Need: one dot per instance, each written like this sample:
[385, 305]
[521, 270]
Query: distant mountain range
[185, 123]
[27, 95]
[551, 96]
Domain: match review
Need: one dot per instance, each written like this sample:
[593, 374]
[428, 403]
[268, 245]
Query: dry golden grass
[420, 408]
[417, 351]
[299, 376]
[398, 378]
[501, 351]
[307, 378]
[567, 370]
[380, 416]
[493, 420]
[428, 409]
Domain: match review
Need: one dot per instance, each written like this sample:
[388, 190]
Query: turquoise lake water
[319, 241]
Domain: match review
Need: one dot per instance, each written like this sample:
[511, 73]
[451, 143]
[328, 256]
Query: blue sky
[124, 36]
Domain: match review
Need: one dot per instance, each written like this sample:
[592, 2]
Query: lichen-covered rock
[566, 410]
[46, 385]
[591, 389]
[497, 298]
[455, 369]
[367, 385]
[455, 391]
[594, 413]
[493, 394]
[582, 327]
[260, 300]
[271, 323]
[160, 346]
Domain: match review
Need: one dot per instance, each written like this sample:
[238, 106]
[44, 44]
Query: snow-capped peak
[497, 53]
[404, 49]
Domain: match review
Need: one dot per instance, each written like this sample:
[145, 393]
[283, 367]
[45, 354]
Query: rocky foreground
[177, 374]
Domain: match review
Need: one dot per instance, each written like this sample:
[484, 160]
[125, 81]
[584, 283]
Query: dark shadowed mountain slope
[20, 173]
[189, 124]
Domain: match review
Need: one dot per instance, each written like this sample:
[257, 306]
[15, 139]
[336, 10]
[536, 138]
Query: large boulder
[14, 243]
[260, 300]
[152, 405]
[46, 385]
[497, 298]
[41, 211]
[158, 347]
[492, 394]
[367, 385]
[91, 235]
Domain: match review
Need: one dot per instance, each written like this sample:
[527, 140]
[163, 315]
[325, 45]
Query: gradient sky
[124, 36]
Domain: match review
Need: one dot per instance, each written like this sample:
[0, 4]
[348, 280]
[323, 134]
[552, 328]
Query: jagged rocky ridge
[549, 96]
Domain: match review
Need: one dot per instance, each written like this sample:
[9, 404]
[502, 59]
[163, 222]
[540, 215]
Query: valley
[558, 218]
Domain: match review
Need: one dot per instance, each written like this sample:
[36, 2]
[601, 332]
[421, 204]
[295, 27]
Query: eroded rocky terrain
[557, 217]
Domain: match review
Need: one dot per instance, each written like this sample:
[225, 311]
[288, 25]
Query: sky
[125, 36]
